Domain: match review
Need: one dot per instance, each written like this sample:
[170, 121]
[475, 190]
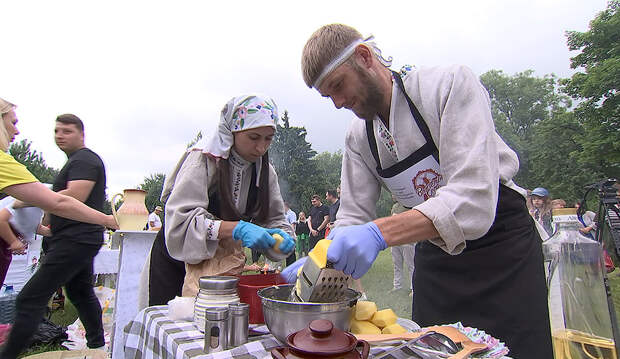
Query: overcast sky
[145, 77]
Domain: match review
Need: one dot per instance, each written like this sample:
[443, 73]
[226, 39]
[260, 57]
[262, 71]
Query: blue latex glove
[253, 236]
[355, 248]
[290, 273]
[288, 244]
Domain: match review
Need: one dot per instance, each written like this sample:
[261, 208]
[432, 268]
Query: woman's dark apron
[497, 284]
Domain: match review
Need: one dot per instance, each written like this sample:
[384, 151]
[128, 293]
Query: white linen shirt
[473, 158]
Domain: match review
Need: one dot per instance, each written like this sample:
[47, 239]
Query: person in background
[587, 220]
[17, 229]
[16, 181]
[291, 218]
[71, 248]
[428, 136]
[155, 220]
[402, 255]
[224, 197]
[558, 203]
[302, 232]
[333, 199]
[541, 208]
[317, 220]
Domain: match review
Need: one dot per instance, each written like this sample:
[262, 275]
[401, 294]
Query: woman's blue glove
[290, 273]
[355, 248]
[253, 236]
[288, 244]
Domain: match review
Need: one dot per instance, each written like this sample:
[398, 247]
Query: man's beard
[369, 103]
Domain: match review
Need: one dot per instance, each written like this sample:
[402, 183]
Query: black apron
[497, 284]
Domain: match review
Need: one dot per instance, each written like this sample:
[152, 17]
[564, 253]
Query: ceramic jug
[132, 215]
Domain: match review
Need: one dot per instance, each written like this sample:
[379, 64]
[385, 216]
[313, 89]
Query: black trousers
[69, 264]
[313, 240]
[497, 284]
[166, 274]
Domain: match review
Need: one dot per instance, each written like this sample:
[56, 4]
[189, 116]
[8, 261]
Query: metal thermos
[216, 330]
[239, 324]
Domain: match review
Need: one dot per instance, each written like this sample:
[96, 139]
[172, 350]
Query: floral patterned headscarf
[239, 114]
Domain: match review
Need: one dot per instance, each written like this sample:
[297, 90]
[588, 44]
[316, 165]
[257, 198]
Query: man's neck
[69, 153]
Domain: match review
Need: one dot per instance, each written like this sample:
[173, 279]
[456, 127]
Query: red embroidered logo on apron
[426, 183]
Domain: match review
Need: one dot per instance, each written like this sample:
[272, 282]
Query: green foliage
[153, 185]
[291, 156]
[33, 160]
[519, 104]
[597, 89]
[330, 165]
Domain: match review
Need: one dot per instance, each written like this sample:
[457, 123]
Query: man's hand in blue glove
[355, 248]
[253, 236]
[288, 244]
[290, 273]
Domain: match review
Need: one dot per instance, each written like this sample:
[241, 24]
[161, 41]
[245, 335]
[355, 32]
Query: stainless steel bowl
[284, 317]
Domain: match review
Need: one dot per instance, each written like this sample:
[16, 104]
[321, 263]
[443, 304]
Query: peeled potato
[394, 329]
[279, 240]
[364, 327]
[383, 318]
[319, 253]
[364, 310]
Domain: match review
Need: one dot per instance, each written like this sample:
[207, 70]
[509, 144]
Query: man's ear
[363, 56]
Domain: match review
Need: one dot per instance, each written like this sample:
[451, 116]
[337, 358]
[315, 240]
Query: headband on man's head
[346, 53]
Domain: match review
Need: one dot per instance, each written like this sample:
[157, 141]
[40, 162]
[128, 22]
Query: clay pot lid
[321, 338]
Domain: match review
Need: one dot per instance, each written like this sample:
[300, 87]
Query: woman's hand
[253, 236]
[18, 247]
[288, 243]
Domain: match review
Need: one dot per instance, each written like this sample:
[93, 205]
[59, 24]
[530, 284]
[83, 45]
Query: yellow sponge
[364, 327]
[383, 318]
[319, 253]
[364, 310]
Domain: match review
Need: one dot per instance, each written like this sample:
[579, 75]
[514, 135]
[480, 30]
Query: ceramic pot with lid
[322, 339]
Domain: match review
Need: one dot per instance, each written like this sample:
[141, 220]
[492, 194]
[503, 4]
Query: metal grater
[321, 285]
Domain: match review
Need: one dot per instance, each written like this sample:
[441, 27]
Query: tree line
[565, 131]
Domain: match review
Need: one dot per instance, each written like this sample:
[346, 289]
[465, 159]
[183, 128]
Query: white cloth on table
[106, 261]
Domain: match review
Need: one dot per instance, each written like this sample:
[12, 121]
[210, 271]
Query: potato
[383, 318]
[364, 310]
[364, 327]
[279, 240]
[319, 253]
[394, 329]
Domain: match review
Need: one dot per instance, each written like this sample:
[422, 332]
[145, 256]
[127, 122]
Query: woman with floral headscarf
[226, 196]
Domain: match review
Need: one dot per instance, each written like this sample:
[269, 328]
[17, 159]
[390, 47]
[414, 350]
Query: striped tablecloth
[153, 335]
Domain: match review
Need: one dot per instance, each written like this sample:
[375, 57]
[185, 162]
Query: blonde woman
[18, 182]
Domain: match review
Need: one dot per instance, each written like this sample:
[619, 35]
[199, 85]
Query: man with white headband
[427, 135]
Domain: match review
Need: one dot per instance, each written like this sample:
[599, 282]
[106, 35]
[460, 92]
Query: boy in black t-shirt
[71, 249]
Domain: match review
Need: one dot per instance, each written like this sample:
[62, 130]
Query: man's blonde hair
[5, 107]
[323, 47]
